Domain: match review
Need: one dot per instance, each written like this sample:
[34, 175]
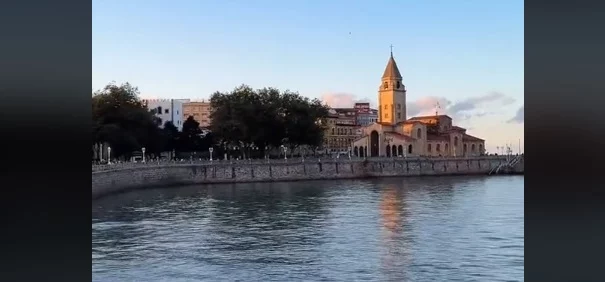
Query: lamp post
[108, 155]
[285, 152]
[210, 150]
[143, 150]
[225, 151]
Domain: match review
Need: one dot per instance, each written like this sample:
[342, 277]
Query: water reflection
[394, 229]
[394, 252]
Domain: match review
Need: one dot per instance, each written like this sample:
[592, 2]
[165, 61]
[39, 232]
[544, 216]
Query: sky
[466, 55]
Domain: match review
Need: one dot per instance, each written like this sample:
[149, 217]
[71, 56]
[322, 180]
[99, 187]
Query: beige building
[341, 131]
[395, 135]
[200, 111]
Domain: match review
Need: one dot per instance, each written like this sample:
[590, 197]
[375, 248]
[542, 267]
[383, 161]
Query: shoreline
[143, 176]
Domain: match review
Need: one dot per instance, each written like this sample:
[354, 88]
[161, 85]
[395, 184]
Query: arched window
[447, 148]
[456, 141]
[386, 85]
[428, 148]
[356, 151]
[410, 149]
[398, 84]
[388, 148]
[438, 148]
[464, 148]
[480, 148]
[473, 148]
[394, 150]
[419, 133]
[400, 150]
[332, 131]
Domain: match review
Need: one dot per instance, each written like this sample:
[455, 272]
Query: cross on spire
[391, 50]
[437, 107]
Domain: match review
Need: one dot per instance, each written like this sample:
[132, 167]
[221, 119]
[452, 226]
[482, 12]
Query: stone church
[396, 135]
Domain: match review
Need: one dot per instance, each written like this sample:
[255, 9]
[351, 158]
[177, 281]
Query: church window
[419, 133]
[438, 148]
[473, 148]
[386, 85]
[456, 141]
[332, 131]
[399, 115]
[429, 147]
[398, 84]
[350, 131]
[399, 106]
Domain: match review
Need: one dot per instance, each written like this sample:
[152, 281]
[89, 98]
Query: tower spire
[391, 50]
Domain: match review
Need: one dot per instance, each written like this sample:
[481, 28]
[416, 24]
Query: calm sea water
[391, 229]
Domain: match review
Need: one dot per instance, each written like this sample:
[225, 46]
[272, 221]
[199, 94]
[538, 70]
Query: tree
[266, 118]
[120, 119]
[190, 137]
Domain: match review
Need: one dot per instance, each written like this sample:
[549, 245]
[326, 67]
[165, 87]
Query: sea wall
[149, 175]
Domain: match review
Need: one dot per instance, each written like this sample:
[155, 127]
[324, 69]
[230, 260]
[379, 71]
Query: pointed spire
[391, 71]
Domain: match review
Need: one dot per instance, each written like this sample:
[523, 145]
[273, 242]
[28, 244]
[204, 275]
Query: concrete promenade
[107, 179]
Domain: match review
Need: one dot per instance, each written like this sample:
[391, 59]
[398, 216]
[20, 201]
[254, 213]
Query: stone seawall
[116, 180]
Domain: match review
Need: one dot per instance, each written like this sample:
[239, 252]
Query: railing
[509, 164]
[344, 159]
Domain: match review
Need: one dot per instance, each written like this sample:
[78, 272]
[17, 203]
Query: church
[396, 135]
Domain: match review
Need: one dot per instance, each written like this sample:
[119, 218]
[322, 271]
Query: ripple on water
[414, 229]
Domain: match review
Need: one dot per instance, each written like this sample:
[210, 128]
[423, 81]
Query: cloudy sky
[465, 55]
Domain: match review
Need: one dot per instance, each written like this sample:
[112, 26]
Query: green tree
[266, 118]
[190, 139]
[120, 119]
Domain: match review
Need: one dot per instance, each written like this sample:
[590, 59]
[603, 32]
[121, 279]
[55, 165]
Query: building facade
[199, 110]
[341, 130]
[395, 135]
[365, 115]
[167, 110]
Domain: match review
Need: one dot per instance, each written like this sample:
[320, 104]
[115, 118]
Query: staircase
[508, 165]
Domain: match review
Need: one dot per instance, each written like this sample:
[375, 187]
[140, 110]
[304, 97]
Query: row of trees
[120, 119]
[243, 118]
[266, 118]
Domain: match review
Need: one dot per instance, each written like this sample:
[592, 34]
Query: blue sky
[468, 55]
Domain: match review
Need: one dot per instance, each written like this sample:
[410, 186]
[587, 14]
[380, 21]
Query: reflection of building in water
[389, 210]
[395, 250]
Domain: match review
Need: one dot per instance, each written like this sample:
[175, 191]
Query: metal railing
[344, 159]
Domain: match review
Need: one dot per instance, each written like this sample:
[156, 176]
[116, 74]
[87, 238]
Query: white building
[167, 110]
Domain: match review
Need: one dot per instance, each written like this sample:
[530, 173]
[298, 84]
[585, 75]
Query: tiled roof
[467, 137]
[401, 136]
[391, 71]
[427, 117]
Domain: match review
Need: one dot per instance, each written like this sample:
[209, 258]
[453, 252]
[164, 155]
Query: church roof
[427, 117]
[467, 137]
[401, 136]
[391, 71]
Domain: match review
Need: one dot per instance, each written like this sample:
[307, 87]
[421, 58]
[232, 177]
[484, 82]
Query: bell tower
[391, 94]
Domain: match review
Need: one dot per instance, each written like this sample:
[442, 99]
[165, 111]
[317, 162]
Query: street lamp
[143, 150]
[285, 152]
[108, 155]
[210, 150]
